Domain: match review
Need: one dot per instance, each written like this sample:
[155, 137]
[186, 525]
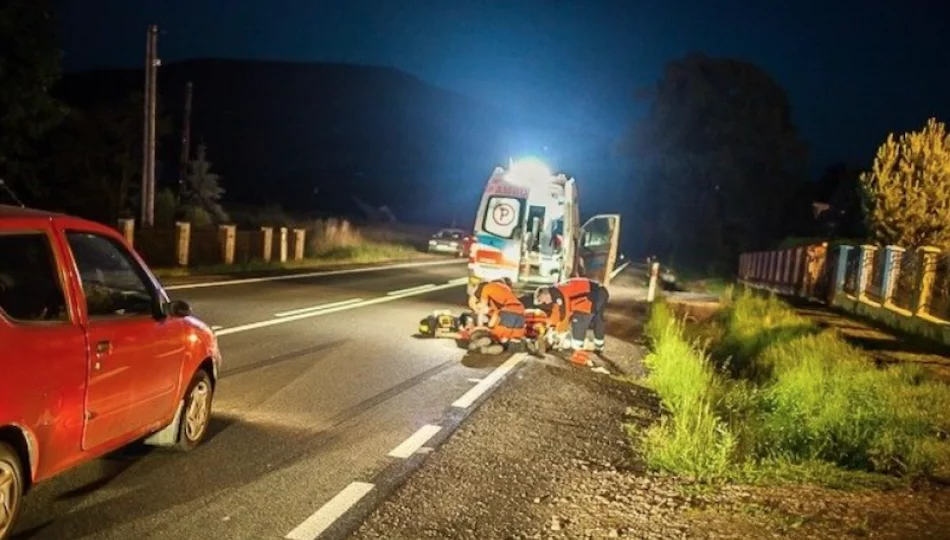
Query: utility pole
[148, 144]
[185, 140]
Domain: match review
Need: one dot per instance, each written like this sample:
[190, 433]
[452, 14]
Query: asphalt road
[306, 405]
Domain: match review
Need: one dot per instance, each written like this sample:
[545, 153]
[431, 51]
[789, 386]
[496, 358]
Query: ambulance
[527, 228]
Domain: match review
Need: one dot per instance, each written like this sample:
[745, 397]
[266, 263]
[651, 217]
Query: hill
[309, 136]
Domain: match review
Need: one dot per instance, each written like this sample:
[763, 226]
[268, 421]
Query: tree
[203, 188]
[906, 193]
[839, 188]
[97, 159]
[716, 160]
[29, 67]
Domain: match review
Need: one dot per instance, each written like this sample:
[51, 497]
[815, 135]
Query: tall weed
[783, 398]
[691, 439]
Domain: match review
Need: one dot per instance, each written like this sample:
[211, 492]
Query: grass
[770, 397]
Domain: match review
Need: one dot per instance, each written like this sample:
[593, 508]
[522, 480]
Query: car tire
[11, 489]
[196, 412]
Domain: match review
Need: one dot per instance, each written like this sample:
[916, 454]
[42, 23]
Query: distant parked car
[450, 241]
[668, 279]
[94, 354]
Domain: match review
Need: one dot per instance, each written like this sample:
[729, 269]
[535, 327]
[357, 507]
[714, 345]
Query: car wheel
[196, 412]
[11, 488]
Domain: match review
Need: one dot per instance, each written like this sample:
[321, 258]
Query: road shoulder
[550, 456]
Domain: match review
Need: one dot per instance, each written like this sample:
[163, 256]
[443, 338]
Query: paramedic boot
[599, 346]
[479, 339]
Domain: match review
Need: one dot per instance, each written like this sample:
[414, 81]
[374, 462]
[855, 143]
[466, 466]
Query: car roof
[8, 211]
[15, 213]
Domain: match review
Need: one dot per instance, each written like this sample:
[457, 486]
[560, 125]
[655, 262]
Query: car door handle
[103, 347]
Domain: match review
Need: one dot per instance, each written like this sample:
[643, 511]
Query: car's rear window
[30, 289]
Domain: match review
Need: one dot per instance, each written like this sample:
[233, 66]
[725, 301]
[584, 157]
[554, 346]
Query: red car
[93, 355]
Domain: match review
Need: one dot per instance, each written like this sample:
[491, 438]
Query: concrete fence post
[182, 242]
[283, 244]
[865, 265]
[654, 275]
[127, 230]
[927, 255]
[227, 236]
[892, 269]
[842, 268]
[300, 237]
[818, 263]
[267, 243]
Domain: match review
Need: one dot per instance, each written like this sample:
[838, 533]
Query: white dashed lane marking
[415, 441]
[322, 519]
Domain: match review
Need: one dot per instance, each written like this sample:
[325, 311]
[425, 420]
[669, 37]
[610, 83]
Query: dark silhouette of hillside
[310, 136]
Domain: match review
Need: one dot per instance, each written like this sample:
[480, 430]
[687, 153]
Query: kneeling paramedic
[581, 301]
[505, 314]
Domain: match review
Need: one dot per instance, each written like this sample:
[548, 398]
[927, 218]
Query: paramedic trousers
[596, 321]
[510, 326]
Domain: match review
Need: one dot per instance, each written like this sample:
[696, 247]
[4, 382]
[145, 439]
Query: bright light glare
[528, 171]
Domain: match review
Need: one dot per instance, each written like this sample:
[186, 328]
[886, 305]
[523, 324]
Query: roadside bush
[785, 399]
[332, 235]
[198, 217]
[338, 239]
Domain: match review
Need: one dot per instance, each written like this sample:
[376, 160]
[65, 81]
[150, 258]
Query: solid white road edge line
[318, 307]
[619, 269]
[323, 518]
[425, 287]
[291, 318]
[415, 441]
[496, 375]
[307, 275]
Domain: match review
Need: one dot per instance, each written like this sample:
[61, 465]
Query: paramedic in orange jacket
[504, 310]
[580, 302]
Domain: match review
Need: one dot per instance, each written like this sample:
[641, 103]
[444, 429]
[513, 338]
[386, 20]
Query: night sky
[854, 71]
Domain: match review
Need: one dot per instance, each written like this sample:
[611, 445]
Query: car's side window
[30, 289]
[112, 281]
